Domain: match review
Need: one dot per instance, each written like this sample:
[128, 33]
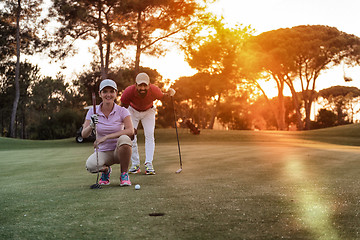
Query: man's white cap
[142, 78]
[107, 83]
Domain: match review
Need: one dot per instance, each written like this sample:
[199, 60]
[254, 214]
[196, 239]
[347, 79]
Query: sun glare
[313, 210]
[269, 88]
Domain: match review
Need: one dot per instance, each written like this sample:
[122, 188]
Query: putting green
[234, 185]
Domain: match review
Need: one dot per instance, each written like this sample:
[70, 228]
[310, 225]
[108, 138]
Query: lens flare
[314, 209]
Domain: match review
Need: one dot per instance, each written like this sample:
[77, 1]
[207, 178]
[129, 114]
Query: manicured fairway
[234, 185]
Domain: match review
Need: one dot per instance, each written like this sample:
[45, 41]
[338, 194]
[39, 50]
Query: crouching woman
[114, 134]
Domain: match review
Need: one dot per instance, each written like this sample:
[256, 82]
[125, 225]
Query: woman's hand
[99, 141]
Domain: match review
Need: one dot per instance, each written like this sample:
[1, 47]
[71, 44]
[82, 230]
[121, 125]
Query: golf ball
[137, 186]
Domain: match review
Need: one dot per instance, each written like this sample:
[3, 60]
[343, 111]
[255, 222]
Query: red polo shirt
[131, 97]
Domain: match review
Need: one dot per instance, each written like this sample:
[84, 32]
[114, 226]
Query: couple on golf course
[116, 141]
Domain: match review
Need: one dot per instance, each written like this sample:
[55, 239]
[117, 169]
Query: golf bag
[193, 129]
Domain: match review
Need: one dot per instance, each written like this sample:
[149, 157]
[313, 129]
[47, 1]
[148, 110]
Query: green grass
[234, 185]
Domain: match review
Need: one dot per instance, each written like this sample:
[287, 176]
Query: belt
[142, 110]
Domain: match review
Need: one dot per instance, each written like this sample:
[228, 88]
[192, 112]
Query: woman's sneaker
[135, 169]
[124, 179]
[149, 169]
[105, 177]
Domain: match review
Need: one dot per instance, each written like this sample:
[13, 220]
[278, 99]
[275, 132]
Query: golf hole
[156, 214]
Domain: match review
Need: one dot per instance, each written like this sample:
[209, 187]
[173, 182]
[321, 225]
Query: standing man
[139, 98]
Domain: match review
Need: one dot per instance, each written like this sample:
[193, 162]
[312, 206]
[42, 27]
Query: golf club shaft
[177, 134]
[97, 148]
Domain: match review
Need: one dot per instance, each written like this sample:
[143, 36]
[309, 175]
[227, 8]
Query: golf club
[177, 136]
[96, 185]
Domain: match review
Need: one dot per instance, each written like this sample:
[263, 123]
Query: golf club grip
[94, 107]
[94, 102]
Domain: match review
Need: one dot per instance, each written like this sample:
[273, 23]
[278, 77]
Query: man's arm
[170, 93]
[126, 96]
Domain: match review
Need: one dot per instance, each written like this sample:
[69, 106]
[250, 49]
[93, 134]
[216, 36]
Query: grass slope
[235, 185]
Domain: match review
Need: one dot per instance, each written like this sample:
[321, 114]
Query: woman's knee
[91, 166]
[124, 140]
[95, 162]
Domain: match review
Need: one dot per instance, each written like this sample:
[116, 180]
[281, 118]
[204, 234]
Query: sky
[266, 15]
[262, 15]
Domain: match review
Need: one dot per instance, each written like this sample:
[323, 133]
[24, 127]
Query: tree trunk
[23, 124]
[308, 103]
[214, 112]
[269, 104]
[138, 44]
[280, 117]
[17, 74]
[339, 113]
[281, 106]
[103, 72]
[107, 57]
[2, 123]
[296, 105]
[307, 114]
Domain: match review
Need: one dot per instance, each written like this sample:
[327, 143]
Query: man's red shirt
[131, 97]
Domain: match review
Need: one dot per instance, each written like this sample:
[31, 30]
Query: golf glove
[94, 120]
[171, 92]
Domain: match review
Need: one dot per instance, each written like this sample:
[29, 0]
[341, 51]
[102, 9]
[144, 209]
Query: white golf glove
[94, 120]
[171, 92]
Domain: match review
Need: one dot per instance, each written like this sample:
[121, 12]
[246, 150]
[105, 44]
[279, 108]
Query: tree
[22, 25]
[325, 118]
[251, 63]
[30, 25]
[118, 24]
[235, 112]
[341, 99]
[53, 111]
[154, 21]
[192, 98]
[42, 101]
[28, 75]
[215, 55]
[103, 20]
[300, 54]
[17, 72]
[194, 102]
[266, 119]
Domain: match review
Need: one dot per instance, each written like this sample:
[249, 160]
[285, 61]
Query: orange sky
[266, 15]
[262, 15]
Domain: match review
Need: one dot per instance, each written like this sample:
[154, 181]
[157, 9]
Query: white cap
[142, 78]
[107, 83]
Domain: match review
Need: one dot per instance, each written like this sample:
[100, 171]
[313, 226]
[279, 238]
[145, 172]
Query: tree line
[231, 62]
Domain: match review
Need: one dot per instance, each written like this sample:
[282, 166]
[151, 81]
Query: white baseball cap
[107, 83]
[142, 78]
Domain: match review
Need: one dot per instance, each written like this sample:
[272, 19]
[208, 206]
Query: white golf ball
[137, 187]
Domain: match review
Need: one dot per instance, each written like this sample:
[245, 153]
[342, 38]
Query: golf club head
[95, 186]
[179, 170]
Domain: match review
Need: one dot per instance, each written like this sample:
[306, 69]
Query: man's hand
[132, 137]
[171, 92]
[94, 120]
